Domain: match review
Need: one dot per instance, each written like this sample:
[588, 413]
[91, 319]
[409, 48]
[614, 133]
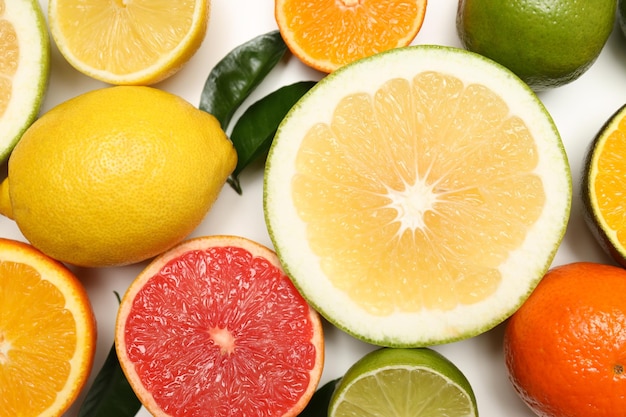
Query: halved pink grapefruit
[214, 327]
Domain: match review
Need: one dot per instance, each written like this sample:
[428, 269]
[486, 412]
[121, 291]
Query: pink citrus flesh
[214, 327]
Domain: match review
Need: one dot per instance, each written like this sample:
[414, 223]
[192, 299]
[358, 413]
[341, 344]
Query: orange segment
[462, 197]
[326, 34]
[47, 333]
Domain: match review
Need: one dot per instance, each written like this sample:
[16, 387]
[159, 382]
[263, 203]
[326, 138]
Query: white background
[579, 110]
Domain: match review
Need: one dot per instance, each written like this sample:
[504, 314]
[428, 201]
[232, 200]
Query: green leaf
[110, 394]
[318, 406]
[254, 132]
[232, 80]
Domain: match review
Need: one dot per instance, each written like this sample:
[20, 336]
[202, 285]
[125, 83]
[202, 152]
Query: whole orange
[565, 348]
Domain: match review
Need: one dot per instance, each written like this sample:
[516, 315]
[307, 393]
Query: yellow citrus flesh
[24, 69]
[47, 333]
[476, 204]
[129, 172]
[328, 34]
[128, 42]
[603, 186]
[419, 200]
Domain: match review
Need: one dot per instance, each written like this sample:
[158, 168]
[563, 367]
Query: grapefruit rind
[77, 301]
[604, 234]
[200, 244]
[30, 82]
[522, 270]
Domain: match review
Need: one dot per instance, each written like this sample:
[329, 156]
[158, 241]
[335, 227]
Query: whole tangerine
[565, 348]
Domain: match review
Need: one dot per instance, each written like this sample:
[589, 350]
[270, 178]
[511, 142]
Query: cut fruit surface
[136, 42]
[215, 327]
[417, 196]
[328, 34]
[47, 333]
[24, 68]
[403, 382]
[603, 186]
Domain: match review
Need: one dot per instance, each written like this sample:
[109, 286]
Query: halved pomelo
[417, 196]
[214, 327]
[24, 68]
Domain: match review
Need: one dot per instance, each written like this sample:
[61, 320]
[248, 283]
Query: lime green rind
[604, 235]
[423, 360]
[30, 113]
[408, 340]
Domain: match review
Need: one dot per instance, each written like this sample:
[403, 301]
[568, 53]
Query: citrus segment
[128, 42]
[47, 333]
[328, 34]
[565, 348]
[605, 174]
[417, 196]
[215, 327]
[403, 382]
[24, 68]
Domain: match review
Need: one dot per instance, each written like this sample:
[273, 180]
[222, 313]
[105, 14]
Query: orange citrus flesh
[214, 327]
[47, 333]
[607, 184]
[461, 175]
[327, 34]
[9, 45]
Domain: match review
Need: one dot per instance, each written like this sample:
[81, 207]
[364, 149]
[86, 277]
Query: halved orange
[327, 34]
[603, 186]
[47, 333]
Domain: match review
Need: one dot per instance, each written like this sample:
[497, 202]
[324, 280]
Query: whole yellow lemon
[116, 175]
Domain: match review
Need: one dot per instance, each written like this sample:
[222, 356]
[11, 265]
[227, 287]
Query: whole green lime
[547, 43]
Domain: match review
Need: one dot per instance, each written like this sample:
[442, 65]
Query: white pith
[521, 270]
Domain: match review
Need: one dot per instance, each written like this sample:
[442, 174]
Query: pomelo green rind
[31, 80]
[418, 359]
[523, 270]
[604, 235]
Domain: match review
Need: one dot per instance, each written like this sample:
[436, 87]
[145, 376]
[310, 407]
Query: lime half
[403, 382]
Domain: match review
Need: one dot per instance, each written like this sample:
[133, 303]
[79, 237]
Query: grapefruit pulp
[214, 327]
